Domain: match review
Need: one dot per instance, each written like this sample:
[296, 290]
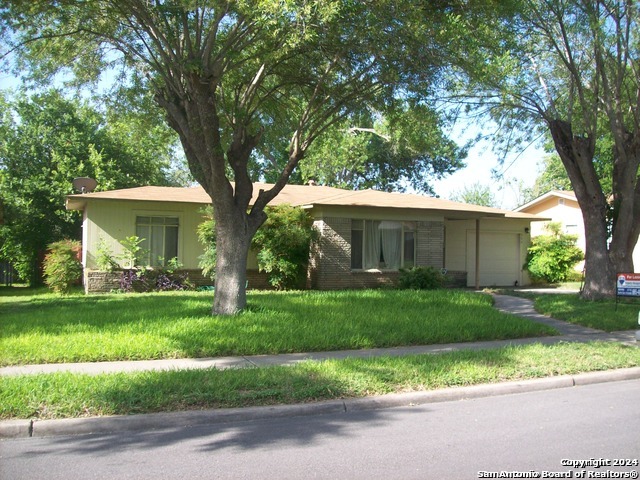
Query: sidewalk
[515, 305]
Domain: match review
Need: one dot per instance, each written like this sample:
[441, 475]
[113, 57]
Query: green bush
[62, 267]
[282, 243]
[551, 258]
[421, 278]
[207, 237]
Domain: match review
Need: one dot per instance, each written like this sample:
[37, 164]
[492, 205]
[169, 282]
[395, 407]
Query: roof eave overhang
[74, 203]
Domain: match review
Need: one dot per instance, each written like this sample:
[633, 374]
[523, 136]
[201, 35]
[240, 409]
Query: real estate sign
[628, 285]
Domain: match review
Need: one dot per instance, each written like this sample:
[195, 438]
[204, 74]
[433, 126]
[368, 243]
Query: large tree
[46, 141]
[404, 147]
[572, 69]
[476, 194]
[230, 73]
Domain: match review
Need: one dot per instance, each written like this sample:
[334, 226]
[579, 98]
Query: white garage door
[500, 262]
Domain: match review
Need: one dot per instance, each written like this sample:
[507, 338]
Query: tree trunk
[232, 248]
[600, 272]
[577, 155]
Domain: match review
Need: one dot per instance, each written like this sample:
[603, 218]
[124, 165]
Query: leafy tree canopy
[233, 76]
[47, 141]
[569, 71]
[405, 148]
[476, 194]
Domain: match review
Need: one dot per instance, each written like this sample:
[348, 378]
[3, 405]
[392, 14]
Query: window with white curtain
[160, 242]
[382, 245]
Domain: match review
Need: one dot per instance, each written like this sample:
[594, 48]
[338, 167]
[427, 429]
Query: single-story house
[562, 207]
[365, 236]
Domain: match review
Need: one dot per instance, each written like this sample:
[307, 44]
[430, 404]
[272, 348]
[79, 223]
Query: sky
[517, 168]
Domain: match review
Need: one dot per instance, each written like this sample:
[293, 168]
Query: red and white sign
[628, 285]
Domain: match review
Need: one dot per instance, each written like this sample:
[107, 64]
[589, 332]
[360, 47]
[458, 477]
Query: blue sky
[480, 163]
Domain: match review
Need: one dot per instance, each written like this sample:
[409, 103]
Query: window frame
[149, 258]
[408, 227]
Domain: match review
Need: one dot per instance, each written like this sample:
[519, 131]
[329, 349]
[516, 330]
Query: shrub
[282, 243]
[62, 268]
[421, 278]
[207, 237]
[551, 258]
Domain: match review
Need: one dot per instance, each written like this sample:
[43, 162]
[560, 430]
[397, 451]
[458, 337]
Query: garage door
[500, 262]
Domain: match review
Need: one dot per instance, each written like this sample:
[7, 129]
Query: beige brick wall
[330, 265]
[430, 244]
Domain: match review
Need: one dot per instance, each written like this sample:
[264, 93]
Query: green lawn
[36, 326]
[64, 395]
[601, 315]
[46, 328]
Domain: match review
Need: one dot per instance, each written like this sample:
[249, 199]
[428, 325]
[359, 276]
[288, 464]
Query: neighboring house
[562, 206]
[365, 237]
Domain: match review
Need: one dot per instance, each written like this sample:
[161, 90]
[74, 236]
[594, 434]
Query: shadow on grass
[267, 387]
[311, 382]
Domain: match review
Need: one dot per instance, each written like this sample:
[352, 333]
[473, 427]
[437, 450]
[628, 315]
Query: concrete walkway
[508, 304]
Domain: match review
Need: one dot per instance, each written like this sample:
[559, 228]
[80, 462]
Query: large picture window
[382, 245]
[160, 242]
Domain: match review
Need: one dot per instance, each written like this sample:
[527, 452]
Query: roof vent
[84, 184]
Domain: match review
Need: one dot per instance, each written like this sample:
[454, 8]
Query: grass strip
[65, 395]
[46, 328]
[601, 315]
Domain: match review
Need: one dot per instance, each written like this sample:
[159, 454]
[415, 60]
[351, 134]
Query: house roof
[566, 194]
[305, 196]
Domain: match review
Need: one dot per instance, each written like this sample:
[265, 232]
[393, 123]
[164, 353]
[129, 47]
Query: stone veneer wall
[105, 282]
[101, 282]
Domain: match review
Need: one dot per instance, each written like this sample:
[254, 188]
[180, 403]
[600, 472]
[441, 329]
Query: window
[386, 244]
[571, 230]
[160, 242]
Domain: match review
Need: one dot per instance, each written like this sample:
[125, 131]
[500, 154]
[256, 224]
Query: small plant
[62, 268]
[421, 278]
[105, 260]
[133, 252]
[160, 279]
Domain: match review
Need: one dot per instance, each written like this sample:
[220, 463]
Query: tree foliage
[403, 147]
[553, 176]
[47, 141]
[230, 74]
[476, 194]
[570, 70]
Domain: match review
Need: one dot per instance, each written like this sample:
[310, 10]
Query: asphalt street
[536, 433]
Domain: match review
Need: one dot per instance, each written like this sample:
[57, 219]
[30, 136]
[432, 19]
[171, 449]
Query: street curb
[154, 421]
